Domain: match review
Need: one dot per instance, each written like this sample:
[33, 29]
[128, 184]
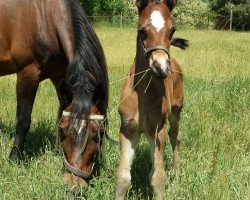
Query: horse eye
[172, 33]
[96, 139]
[143, 33]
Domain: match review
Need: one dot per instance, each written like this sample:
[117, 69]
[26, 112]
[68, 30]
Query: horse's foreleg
[175, 136]
[26, 87]
[157, 174]
[128, 142]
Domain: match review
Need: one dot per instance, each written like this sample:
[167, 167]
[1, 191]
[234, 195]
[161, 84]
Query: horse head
[155, 34]
[86, 99]
[81, 137]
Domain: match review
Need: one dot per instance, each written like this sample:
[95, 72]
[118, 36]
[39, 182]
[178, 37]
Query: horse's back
[26, 33]
[6, 64]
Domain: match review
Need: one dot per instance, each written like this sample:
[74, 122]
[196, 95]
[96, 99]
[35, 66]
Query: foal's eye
[142, 32]
[172, 33]
[96, 139]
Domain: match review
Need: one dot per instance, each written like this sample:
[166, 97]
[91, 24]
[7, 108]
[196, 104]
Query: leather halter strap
[91, 117]
[76, 171]
[153, 48]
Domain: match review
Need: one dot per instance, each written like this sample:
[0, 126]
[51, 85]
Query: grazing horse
[54, 40]
[152, 97]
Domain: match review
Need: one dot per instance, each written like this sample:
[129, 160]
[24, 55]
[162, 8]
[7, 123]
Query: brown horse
[149, 99]
[53, 40]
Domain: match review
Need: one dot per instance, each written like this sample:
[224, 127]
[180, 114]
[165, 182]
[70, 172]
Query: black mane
[87, 72]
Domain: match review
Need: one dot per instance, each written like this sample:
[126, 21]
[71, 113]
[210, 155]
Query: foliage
[188, 14]
[241, 11]
[111, 7]
[131, 10]
[194, 14]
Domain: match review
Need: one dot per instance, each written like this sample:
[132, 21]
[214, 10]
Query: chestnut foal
[149, 99]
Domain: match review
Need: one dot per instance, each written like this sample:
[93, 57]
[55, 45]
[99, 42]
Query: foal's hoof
[15, 155]
[72, 181]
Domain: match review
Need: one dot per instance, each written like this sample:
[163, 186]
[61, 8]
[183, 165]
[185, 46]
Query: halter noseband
[70, 168]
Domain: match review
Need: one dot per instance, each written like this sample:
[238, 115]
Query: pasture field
[215, 126]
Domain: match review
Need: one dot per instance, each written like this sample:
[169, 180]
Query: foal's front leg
[27, 84]
[129, 141]
[175, 136]
[157, 142]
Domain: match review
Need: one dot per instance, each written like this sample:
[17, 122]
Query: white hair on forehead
[157, 20]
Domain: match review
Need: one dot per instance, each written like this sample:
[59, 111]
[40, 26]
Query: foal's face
[73, 140]
[156, 28]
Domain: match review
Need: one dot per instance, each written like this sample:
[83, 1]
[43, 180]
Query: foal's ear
[141, 4]
[171, 4]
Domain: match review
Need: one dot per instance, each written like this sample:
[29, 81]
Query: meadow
[215, 126]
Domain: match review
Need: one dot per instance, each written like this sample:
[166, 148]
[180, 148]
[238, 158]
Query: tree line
[192, 13]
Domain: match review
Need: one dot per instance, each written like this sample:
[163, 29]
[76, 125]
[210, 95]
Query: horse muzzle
[71, 180]
[160, 66]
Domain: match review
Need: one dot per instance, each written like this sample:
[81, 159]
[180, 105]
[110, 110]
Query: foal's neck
[147, 82]
[150, 88]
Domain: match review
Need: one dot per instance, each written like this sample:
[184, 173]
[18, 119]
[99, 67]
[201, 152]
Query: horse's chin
[71, 181]
[161, 75]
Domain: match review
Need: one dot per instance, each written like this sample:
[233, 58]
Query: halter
[70, 168]
[153, 48]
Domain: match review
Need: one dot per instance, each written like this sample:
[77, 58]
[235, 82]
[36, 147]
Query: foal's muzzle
[159, 63]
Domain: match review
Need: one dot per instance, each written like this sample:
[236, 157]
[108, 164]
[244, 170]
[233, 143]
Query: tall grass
[215, 126]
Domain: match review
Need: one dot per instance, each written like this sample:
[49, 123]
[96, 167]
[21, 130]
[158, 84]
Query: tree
[111, 7]
[241, 11]
[193, 14]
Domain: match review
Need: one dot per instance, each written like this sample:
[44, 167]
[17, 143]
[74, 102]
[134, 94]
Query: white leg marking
[123, 174]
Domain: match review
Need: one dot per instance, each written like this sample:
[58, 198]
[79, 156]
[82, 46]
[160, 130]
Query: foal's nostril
[156, 64]
[168, 62]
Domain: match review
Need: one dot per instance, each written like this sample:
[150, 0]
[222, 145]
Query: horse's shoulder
[177, 79]
[128, 105]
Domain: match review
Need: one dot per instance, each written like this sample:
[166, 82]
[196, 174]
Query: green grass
[215, 126]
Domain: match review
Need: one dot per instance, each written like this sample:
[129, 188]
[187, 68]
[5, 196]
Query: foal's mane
[87, 72]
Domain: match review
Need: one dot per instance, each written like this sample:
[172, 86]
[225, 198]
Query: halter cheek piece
[70, 168]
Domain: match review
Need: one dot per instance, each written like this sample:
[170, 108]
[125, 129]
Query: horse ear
[141, 4]
[171, 4]
[138, 3]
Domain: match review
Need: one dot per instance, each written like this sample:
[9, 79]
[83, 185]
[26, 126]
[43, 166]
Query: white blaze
[157, 20]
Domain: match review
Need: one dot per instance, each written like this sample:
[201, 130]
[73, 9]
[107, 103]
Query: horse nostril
[156, 64]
